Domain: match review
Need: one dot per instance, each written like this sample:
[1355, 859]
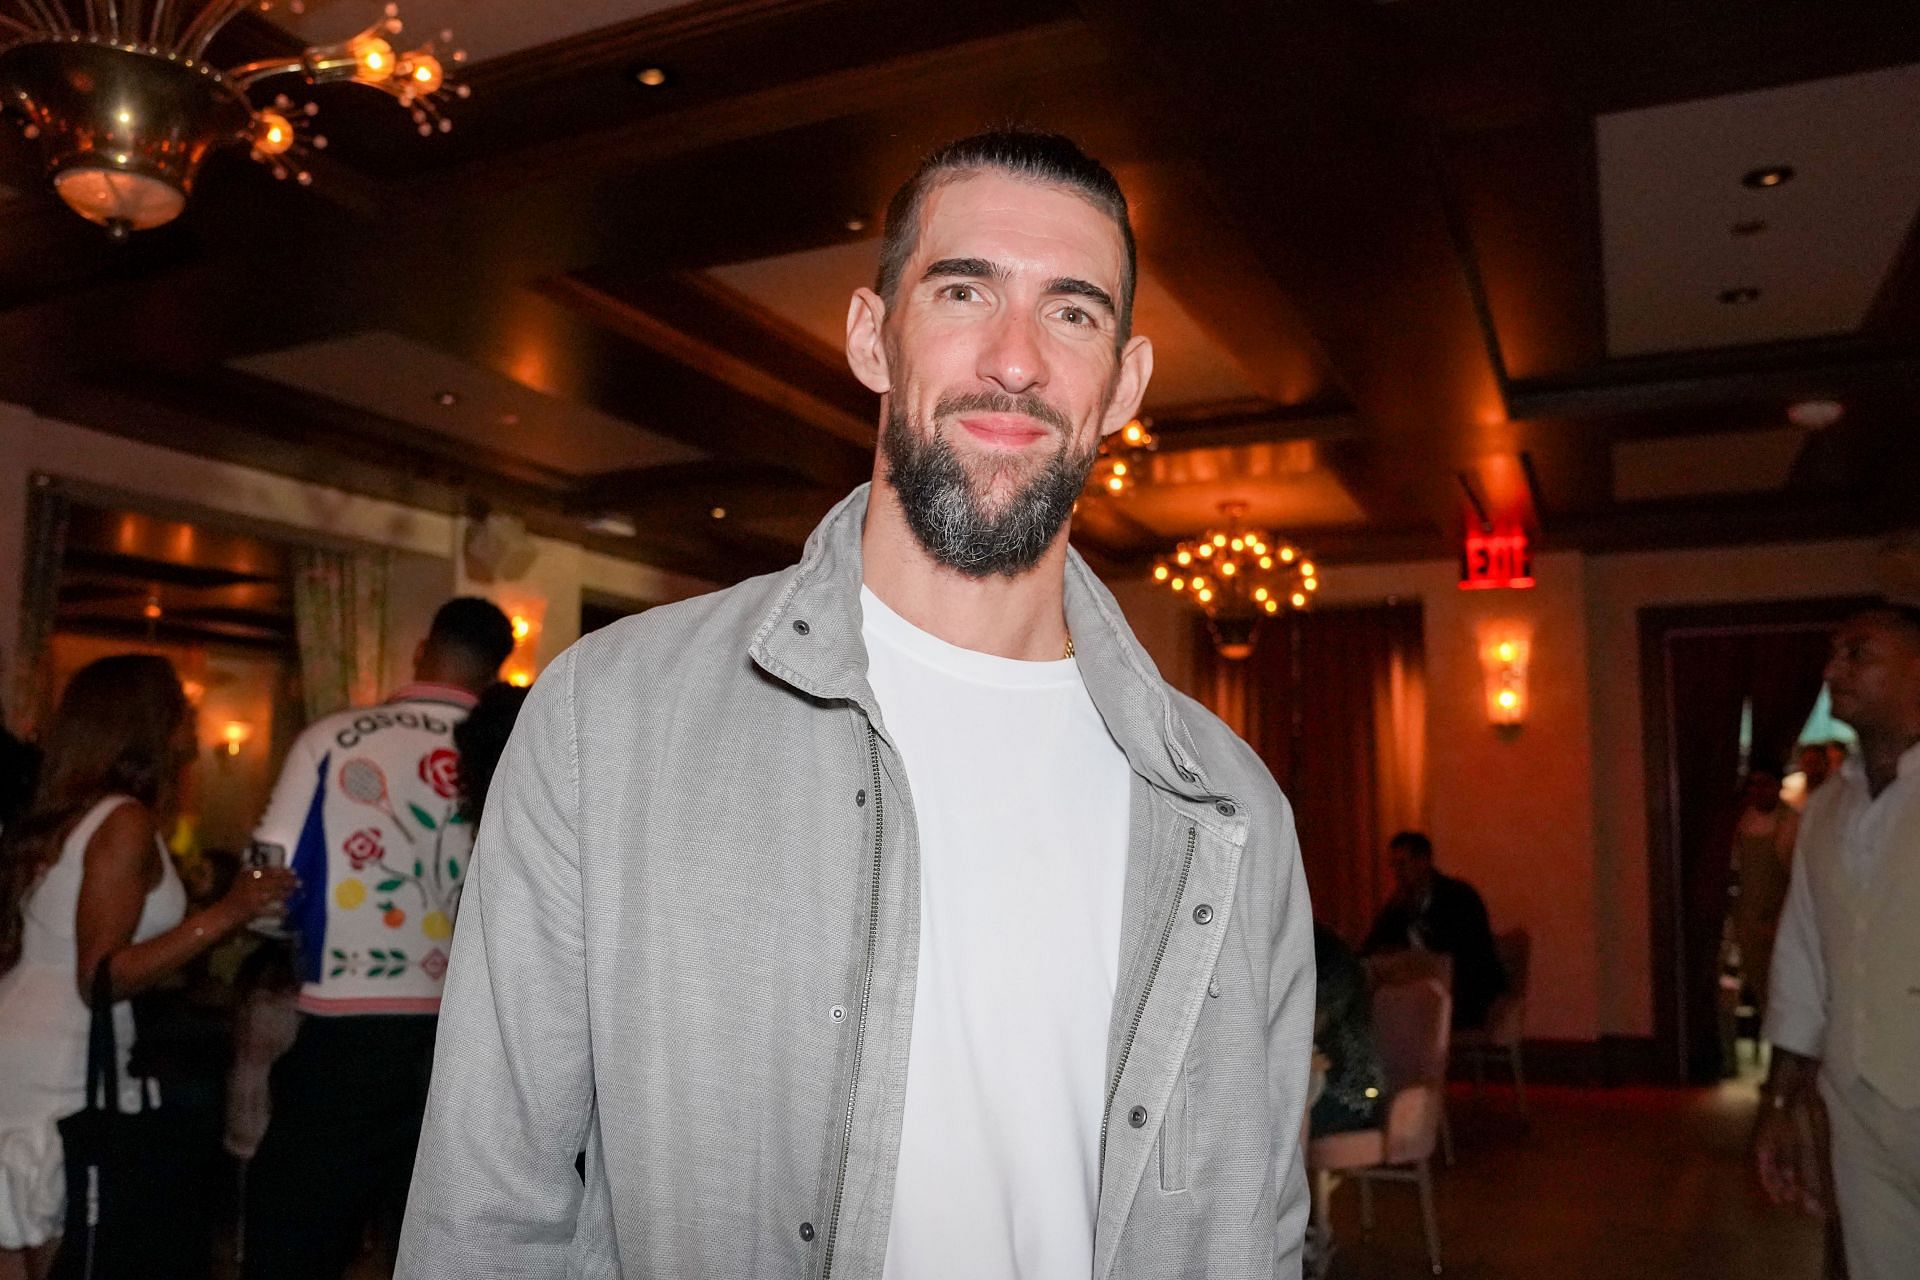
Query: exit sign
[1490, 560]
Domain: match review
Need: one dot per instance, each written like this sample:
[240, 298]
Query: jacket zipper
[866, 995]
[1140, 1009]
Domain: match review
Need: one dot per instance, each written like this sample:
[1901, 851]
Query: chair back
[1412, 1024]
[1390, 968]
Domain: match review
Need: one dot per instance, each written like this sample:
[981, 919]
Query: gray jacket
[688, 949]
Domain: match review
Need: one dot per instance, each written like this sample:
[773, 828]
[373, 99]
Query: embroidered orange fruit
[436, 925]
[394, 918]
[350, 894]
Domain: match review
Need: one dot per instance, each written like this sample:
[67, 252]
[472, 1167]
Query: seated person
[1343, 1040]
[1430, 911]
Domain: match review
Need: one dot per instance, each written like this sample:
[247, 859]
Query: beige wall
[1549, 820]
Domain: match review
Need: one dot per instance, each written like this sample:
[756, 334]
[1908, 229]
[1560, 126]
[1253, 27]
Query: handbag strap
[103, 1058]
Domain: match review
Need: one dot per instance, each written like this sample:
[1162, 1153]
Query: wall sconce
[524, 662]
[233, 736]
[1503, 662]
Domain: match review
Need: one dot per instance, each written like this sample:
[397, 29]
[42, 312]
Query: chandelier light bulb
[1160, 573]
[272, 133]
[374, 59]
[424, 73]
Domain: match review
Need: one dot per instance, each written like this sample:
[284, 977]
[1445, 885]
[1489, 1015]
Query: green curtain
[340, 622]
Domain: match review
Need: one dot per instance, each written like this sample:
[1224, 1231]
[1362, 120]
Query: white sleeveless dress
[43, 1035]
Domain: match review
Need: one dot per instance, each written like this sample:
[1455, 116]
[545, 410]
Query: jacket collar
[811, 640]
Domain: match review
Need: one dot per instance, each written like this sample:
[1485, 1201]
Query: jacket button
[860, 797]
[838, 1013]
[800, 626]
[1137, 1117]
[806, 1231]
[1213, 988]
[1203, 914]
[1225, 809]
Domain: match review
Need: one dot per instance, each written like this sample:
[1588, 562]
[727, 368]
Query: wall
[1550, 820]
[171, 482]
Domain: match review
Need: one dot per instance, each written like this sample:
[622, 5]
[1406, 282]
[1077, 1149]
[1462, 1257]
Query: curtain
[47, 517]
[1710, 676]
[340, 623]
[1335, 703]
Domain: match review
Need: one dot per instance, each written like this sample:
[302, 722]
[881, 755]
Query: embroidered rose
[440, 770]
[435, 963]
[364, 846]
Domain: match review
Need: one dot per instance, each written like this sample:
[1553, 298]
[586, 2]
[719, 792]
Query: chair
[1506, 1024]
[1411, 1027]
[1413, 965]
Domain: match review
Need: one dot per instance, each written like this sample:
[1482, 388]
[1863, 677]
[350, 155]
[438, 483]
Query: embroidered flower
[435, 963]
[440, 770]
[363, 846]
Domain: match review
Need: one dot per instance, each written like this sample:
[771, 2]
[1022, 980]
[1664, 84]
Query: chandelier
[1122, 455]
[1237, 576]
[125, 107]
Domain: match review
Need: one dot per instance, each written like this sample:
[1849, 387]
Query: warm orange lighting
[1311, 584]
[1286, 555]
[1184, 558]
[424, 73]
[1219, 539]
[1119, 468]
[1160, 573]
[1507, 700]
[1306, 568]
[373, 58]
[272, 134]
[519, 679]
[1299, 600]
[1238, 544]
[1116, 485]
[234, 735]
[152, 610]
[1204, 549]
[1273, 606]
[522, 628]
[1227, 569]
[1179, 584]
[1503, 661]
[1205, 595]
[1505, 651]
[1266, 562]
[1260, 594]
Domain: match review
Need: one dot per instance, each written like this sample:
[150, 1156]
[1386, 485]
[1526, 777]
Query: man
[366, 814]
[1430, 911]
[890, 916]
[1844, 1016]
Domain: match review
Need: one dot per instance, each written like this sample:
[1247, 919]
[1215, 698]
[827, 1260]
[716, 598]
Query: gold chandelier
[1238, 576]
[125, 108]
[1122, 456]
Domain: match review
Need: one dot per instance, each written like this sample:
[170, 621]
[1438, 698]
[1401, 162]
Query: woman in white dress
[83, 877]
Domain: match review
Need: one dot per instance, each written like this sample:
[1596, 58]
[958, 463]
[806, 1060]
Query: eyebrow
[981, 269]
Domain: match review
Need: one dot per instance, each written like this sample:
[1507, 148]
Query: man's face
[1874, 673]
[1003, 356]
[1410, 870]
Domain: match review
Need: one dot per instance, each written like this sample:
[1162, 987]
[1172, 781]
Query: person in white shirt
[367, 812]
[1844, 1012]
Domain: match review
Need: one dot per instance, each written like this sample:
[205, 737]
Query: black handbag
[130, 1190]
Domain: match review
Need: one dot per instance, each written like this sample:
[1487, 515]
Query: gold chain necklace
[1069, 652]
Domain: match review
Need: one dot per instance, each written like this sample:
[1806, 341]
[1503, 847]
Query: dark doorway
[1702, 669]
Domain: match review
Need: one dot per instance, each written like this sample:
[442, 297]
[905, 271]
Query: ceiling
[1403, 264]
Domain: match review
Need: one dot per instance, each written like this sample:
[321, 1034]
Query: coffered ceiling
[1385, 250]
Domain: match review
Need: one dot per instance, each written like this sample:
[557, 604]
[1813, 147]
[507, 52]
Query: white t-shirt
[1021, 800]
[367, 814]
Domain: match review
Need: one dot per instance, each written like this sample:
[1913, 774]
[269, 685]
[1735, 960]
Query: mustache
[1026, 404]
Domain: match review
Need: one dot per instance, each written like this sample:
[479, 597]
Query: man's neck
[1880, 752]
[1022, 617]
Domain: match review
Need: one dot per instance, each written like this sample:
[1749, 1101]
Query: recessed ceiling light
[509, 419]
[1815, 414]
[719, 513]
[856, 224]
[616, 526]
[651, 77]
[1739, 297]
[1749, 227]
[1772, 175]
[446, 399]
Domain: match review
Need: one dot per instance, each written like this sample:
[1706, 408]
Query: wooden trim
[1658, 624]
[637, 326]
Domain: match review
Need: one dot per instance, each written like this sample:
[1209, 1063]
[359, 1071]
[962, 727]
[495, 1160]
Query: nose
[1012, 358]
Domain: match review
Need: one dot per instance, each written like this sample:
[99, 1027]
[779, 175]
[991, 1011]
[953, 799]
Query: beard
[949, 501]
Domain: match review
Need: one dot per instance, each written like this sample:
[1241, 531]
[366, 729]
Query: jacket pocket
[1173, 1137]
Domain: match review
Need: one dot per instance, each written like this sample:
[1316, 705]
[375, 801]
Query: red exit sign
[1489, 560]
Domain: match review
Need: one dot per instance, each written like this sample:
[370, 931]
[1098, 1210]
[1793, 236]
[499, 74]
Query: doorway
[1718, 682]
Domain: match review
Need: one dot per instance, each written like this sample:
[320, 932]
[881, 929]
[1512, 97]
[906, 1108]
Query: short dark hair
[1903, 613]
[1415, 843]
[473, 629]
[1049, 158]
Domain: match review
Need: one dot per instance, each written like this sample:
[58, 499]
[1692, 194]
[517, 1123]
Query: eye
[1075, 316]
[962, 292]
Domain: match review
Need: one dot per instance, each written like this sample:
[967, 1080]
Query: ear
[1129, 384]
[866, 343]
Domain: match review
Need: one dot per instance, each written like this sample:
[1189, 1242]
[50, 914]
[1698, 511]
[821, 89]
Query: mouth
[1002, 430]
